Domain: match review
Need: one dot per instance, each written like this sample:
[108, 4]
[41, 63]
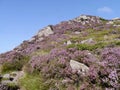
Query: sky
[21, 19]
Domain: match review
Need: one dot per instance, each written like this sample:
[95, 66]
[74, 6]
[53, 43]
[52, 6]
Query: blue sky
[21, 19]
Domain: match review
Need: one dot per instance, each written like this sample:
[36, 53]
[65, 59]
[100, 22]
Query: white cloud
[105, 10]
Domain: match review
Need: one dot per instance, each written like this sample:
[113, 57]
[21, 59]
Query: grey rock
[45, 31]
[40, 39]
[82, 17]
[32, 39]
[69, 42]
[106, 37]
[116, 18]
[3, 87]
[66, 81]
[88, 41]
[79, 67]
[110, 22]
[77, 32]
[6, 76]
[116, 25]
[12, 77]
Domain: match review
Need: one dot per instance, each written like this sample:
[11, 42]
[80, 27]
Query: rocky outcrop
[45, 31]
[110, 22]
[79, 67]
[117, 18]
[12, 77]
[84, 19]
[3, 87]
[7, 80]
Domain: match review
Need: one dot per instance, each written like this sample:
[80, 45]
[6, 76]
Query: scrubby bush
[12, 86]
[17, 64]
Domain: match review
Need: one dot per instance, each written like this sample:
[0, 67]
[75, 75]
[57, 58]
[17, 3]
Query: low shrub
[15, 65]
[12, 86]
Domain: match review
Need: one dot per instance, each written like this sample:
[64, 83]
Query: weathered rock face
[45, 31]
[110, 22]
[3, 87]
[80, 23]
[79, 67]
[84, 19]
[12, 77]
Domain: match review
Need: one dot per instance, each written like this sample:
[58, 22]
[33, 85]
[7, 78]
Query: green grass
[12, 85]
[15, 65]
[103, 20]
[40, 52]
[87, 47]
[32, 82]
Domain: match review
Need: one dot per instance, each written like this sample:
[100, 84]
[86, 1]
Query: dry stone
[45, 31]
[79, 67]
[6, 76]
[88, 41]
[69, 42]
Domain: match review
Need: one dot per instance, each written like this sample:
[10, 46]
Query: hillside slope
[79, 54]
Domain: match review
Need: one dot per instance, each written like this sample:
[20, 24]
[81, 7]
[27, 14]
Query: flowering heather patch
[50, 55]
[103, 72]
[111, 62]
[106, 71]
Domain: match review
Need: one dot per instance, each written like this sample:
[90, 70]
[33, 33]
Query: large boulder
[79, 67]
[3, 87]
[45, 31]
